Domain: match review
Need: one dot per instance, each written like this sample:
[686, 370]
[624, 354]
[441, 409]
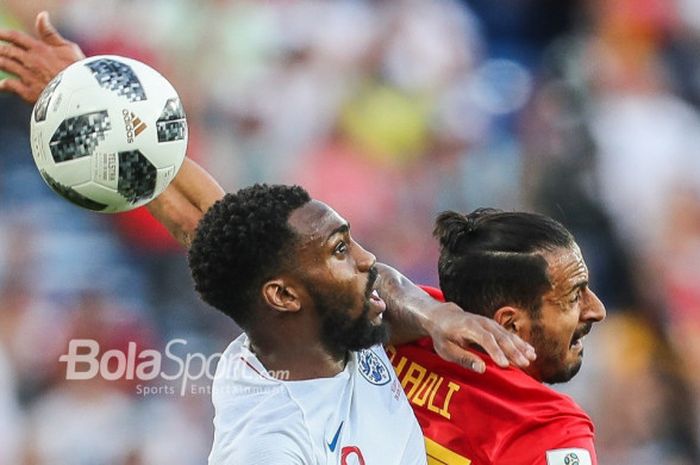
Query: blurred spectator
[185, 421]
[82, 423]
[11, 417]
[656, 423]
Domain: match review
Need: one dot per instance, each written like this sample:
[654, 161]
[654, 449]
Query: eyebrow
[342, 229]
[579, 285]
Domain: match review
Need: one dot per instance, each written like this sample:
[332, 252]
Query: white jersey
[358, 417]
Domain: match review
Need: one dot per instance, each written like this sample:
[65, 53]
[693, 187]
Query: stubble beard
[550, 366]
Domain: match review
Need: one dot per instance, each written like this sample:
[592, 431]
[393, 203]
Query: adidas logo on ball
[134, 125]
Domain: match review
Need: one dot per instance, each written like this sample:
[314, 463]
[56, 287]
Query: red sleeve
[434, 292]
[567, 440]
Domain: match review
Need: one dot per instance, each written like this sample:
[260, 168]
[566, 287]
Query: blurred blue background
[391, 111]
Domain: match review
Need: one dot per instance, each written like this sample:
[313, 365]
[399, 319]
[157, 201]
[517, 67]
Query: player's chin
[574, 359]
[564, 373]
[573, 368]
[374, 333]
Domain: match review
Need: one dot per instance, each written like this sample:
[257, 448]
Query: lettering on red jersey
[424, 388]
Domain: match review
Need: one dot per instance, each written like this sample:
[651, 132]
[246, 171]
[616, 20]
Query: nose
[365, 260]
[595, 310]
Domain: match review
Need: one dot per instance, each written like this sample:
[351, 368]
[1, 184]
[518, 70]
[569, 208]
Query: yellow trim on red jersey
[440, 455]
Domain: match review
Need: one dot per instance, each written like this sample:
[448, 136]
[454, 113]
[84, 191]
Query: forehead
[566, 268]
[315, 221]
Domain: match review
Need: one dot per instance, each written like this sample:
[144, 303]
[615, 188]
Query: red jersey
[501, 417]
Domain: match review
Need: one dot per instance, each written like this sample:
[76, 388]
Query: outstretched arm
[413, 314]
[35, 61]
[182, 204]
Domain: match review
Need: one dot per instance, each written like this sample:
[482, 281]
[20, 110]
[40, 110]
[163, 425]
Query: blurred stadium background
[391, 111]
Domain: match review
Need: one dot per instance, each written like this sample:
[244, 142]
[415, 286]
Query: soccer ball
[108, 133]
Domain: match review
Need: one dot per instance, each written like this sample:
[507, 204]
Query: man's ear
[281, 295]
[511, 318]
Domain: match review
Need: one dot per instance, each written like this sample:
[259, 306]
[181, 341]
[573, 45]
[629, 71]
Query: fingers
[463, 358]
[514, 350]
[461, 329]
[17, 38]
[11, 66]
[488, 342]
[46, 31]
[506, 342]
[12, 52]
[524, 347]
[12, 61]
[16, 86]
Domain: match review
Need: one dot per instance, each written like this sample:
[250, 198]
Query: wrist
[425, 318]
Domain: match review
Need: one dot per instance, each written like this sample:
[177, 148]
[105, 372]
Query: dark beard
[551, 370]
[339, 332]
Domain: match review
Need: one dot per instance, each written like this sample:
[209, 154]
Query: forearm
[180, 207]
[408, 307]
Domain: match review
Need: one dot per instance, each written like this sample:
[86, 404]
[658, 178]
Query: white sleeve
[267, 455]
[270, 449]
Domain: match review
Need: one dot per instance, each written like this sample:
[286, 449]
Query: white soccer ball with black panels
[108, 133]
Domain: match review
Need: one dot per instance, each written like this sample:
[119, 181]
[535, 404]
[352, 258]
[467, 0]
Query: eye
[341, 248]
[577, 296]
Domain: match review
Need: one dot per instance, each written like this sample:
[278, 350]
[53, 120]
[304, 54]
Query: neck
[297, 358]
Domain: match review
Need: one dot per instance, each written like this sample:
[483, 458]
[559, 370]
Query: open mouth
[578, 338]
[577, 343]
[377, 302]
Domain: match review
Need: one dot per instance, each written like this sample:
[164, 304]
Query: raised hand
[34, 61]
[453, 331]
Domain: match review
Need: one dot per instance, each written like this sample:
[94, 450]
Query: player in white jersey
[358, 416]
[308, 383]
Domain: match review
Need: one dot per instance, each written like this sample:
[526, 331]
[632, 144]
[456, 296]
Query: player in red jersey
[526, 272]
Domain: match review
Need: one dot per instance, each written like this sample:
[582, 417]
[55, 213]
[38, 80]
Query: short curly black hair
[241, 241]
